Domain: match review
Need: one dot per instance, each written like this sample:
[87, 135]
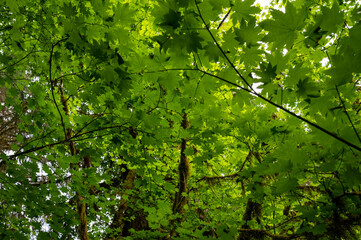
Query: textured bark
[83, 226]
[139, 222]
[183, 173]
[253, 211]
[118, 223]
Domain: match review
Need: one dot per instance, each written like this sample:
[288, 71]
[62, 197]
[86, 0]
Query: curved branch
[253, 92]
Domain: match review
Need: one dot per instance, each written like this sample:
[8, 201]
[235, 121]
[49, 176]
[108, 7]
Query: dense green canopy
[180, 119]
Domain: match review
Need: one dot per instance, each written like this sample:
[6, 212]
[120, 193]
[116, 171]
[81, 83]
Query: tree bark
[183, 174]
[81, 206]
[119, 214]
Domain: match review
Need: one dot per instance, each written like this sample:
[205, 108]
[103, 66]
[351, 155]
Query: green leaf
[308, 88]
[172, 19]
[251, 56]
[283, 28]
[13, 5]
[285, 185]
[102, 100]
[248, 33]
[343, 66]
[331, 18]
[212, 52]
[124, 14]
[189, 152]
[190, 42]
[244, 9]
[267, 73]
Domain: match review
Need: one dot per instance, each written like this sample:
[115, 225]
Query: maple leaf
[248, 32]
[212, 51]
[283, 28]
[135, 118]
[267, 73]
[190, 41]
[331, 18]
[308, 88]
[313, 35]
[251, 56]
[172, 19]
[343, 65]
[244, 10]
[124, 14]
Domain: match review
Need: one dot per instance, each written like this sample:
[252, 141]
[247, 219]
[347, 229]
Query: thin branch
[100, 129]
[18, 153]
[225, 17]
[91, 137]
[33, 140]
[221, 50]
[236, 174]
[252, 91]
[69, 74]
[57, 181]
[171, 69]
[90, 122]
[21, 59]
[38, 148]
[348, 116]
[348, 194]
[303, 119]
[227, 81]
[53, 82]
[63, 141]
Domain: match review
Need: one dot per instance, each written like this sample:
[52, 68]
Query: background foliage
[180, 119]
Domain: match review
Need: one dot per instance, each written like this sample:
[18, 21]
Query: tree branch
[63, 141]
[348, 116]
[253, 92]
[52, 83]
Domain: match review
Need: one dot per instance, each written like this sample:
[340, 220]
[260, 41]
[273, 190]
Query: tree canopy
[180, 119]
